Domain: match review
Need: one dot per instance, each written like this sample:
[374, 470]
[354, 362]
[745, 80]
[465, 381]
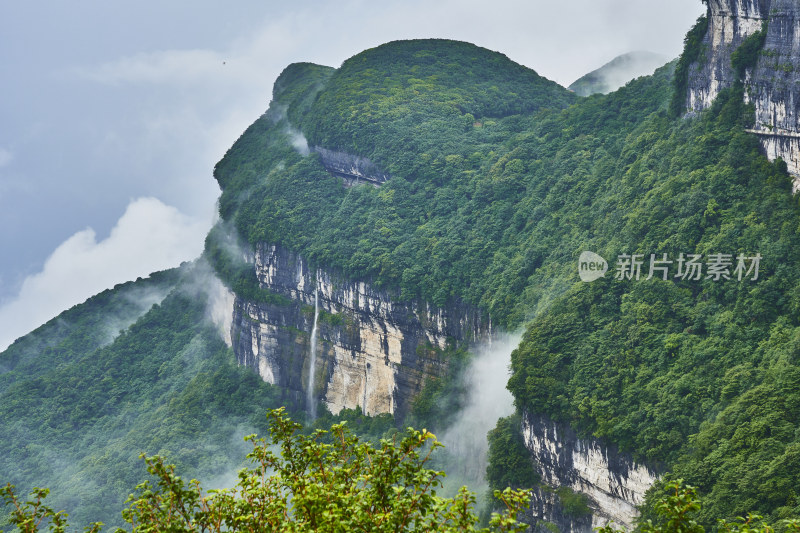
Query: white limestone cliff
[375, 353]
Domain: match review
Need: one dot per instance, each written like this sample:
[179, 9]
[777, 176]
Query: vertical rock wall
[730, 22]
[374, 353]
[613, 482]
[772, 85]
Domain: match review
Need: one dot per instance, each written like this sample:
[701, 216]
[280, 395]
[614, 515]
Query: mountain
[380, 218]
[136, 368]
[473, 207]
[617, 73]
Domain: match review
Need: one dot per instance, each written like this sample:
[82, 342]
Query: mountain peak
[617, 72]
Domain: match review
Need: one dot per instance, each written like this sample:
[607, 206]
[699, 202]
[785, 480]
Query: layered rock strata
[353, 169]
[772, 84]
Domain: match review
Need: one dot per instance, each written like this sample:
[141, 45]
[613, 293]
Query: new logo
[591, 266]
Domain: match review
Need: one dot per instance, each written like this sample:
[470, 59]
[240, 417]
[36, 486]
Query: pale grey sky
[113, 113]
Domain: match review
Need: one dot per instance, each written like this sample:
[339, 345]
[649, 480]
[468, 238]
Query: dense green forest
[500, 179]
[141, 368]
[492, 199]
[78, 407]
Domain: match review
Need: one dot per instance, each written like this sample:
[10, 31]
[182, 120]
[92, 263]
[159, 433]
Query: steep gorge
[495, 213]
[497, 183]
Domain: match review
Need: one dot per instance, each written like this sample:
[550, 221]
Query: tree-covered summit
[492, 200]
[500, 179]
[405, 94]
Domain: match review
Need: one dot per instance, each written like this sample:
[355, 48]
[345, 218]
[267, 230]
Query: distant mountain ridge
[617, 73]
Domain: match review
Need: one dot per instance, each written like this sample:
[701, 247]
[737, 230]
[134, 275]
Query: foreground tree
[327, 481]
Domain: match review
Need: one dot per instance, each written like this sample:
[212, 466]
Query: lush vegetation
[83, 328]
[76, 416]
[652, 364]
[346, 485]
[224, 253]
[403, 99]
[510, 462]
[327, 481]
[456, 209]
[493, 205]
[746, 55]
[678, 505]
[692, 52]
[500, 179]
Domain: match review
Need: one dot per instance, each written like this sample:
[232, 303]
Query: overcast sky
[113, 113]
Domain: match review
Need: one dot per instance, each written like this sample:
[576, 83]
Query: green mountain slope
[414, 96]
[76, 417]
[83, 328]
[663, 367]
[500, 179]
[494, 204]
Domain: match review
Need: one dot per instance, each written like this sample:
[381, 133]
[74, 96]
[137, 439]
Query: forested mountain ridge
[499, 180]
[79, 401]
[617, 72]
[495, 210]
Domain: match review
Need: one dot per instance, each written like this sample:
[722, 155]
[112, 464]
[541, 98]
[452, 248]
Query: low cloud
[150, 236]
[489, 400]
[220, 308]
[5, 157]
[298, 141]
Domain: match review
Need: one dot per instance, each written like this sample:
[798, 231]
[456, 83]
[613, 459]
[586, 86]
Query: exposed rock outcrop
[374, 352]
[353, 169]
[730, 22]
[772, 84]
[546, 510]
[613, 482]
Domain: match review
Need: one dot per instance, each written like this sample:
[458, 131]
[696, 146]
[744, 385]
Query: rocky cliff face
[373, 352]
[774, 89]
[376, 354]
[353, 169]
[612, 481]
[730, 22]
[772, 84]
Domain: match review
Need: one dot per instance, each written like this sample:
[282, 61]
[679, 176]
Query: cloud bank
[154, 102]
[149, 236]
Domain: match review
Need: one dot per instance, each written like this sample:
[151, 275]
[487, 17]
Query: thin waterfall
[310, 400]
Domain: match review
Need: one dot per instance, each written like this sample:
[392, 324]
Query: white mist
[485, 379]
